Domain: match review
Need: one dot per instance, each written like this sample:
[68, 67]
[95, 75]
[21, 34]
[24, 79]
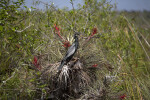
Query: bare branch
[19, 31]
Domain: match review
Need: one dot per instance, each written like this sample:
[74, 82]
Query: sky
[132, 4]
[121, 4]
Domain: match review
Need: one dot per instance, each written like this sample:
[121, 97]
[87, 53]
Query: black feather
[70, 53]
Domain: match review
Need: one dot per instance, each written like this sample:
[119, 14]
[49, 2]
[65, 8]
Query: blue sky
[132, 4]
[121, 4]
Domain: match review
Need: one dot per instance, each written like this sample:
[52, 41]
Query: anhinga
[71, 51]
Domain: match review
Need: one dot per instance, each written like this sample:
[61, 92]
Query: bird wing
[70, 51]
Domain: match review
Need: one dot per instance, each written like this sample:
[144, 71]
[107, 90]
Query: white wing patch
[70, 53]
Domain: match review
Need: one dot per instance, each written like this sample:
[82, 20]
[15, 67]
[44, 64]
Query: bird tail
[61, 65]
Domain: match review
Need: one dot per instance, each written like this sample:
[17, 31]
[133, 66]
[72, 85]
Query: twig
[19, 31]
[4, 82]
[74, 16]
[87, 20]
[71, 1]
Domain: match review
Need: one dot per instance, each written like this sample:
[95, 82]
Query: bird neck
[76, 38]
[76, 41]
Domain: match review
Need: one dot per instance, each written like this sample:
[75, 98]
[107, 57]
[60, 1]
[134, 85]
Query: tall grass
[120, 48]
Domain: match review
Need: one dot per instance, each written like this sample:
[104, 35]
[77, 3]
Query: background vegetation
[120, 49]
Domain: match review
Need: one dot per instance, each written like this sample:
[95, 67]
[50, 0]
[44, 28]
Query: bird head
[76, 34]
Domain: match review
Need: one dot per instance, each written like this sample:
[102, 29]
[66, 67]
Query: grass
[120, 49]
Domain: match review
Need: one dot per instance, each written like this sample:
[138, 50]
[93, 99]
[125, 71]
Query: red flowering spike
[95, 65]
[94, 31]
[122, 97]
[66, 44]
[56, 27]
[35, 60]
[58, 31]
[36, 64]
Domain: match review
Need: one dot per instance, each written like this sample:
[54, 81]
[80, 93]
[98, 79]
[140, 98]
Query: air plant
[66, 43]
[92, 35]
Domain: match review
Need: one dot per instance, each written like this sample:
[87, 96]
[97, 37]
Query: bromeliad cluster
[66, 43]
[93, 33]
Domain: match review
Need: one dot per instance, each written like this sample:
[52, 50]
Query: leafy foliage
[118, 47]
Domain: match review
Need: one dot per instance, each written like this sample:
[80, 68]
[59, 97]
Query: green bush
[122, 41]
